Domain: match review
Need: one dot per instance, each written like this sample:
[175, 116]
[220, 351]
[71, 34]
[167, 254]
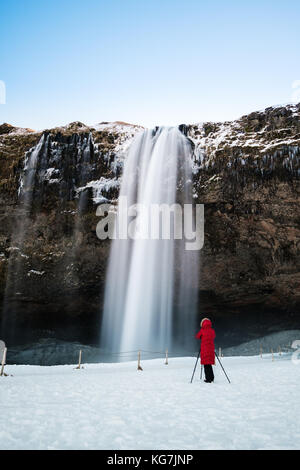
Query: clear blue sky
[145, 61]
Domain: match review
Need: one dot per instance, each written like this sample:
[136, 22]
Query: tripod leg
[195, 367]
[222, 367]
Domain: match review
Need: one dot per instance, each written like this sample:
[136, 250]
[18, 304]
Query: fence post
[261, 351]
[79, 360]
[279, 350]
[166, 358]
[220, 352]
[3, 362]
[139, 361]
[272, 355]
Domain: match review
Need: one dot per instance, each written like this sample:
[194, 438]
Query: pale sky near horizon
[149, 62]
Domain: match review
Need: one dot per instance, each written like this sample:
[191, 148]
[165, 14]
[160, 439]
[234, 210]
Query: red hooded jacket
[207, 336]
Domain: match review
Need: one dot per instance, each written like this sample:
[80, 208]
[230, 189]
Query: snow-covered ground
[113, 406]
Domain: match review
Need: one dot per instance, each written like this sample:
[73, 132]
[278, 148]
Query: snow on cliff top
[77, 126]
[250, 132]
[125, 132]
[224, 129]
[117, 126]
[6, 129]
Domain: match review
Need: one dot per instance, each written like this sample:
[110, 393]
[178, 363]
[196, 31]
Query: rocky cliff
[52, 265]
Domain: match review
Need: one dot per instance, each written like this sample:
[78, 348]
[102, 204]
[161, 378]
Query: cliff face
[248, 179]
[52, 265]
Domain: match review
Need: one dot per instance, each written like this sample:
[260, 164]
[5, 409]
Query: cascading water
[22, 223]
[151, 286]
[71, 162]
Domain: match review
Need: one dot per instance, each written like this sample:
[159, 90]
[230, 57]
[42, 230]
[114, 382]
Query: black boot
[209, 374]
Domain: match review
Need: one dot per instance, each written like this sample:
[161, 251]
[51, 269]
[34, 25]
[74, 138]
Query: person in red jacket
[207, 352]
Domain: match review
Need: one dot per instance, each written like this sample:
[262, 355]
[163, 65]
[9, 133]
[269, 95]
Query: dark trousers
[209, 374]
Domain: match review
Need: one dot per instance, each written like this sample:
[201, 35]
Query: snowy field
[113, 406]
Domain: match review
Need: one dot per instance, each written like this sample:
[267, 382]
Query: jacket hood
[206, 323]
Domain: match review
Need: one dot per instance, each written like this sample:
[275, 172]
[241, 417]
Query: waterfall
[30, 167]
[151, 293]
[22, 221]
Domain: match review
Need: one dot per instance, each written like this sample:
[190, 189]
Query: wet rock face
[66, 167]
[246, 173]
[248, 178]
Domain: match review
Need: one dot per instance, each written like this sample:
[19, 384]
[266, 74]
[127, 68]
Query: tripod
[222, 367]
[201, 367]
[196, 366]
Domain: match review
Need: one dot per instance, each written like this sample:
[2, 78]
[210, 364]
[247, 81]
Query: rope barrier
[145, 351]
[174, 354]
[282, 349]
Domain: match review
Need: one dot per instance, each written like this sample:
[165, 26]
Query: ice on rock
[103, 185]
